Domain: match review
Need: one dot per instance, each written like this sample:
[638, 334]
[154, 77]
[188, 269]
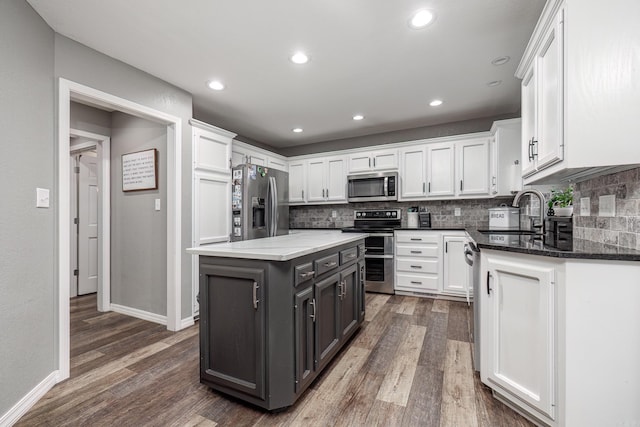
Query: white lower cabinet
[428, 262]
[518, 335]
[456, 271]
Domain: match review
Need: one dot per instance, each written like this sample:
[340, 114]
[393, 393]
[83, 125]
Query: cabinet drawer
[417, 251]
[416, 282]
[303, 272]
[327, 263]
[417, 265]
[348, 255]
[417, 238]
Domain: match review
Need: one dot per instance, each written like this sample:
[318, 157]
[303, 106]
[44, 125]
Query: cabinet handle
[460, 185]
[344, 289]
[330, 264]
[534, 144]
[323, 193]
[255, 295]
[341, 289]
[488, 285]
[416, 252]
[374, 162]
[416, 239]
[327, 193]
[313, 313]
[424, 185]
[369, 161]
[429, 188]
[446, 247]
[351, 256]
[302, 194]
[307, 274]
[416, 266]
[415, 282]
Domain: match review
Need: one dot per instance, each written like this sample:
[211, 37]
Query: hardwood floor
[409, 365]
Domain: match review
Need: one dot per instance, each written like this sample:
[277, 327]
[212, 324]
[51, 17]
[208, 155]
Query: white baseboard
[140, 314]
[185, 323]
[19, 409]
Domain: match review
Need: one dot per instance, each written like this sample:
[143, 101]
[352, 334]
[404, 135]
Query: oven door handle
[378, 256]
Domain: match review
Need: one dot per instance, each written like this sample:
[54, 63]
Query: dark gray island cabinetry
[269, 324]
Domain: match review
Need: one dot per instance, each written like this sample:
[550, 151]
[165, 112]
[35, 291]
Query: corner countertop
[280, 248]
[581, 249]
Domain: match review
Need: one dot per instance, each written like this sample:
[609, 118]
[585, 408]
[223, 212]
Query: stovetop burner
[380, 221]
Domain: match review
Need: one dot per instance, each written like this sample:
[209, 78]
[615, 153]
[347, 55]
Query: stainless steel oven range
[379, 253]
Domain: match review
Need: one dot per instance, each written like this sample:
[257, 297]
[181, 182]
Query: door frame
[68, 91]
[103, 150]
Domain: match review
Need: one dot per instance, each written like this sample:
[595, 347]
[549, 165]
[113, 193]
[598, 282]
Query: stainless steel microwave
[373, 187]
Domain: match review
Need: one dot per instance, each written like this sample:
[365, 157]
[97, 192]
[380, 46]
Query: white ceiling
[364, 59]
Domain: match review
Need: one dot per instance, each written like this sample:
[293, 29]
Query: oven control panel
[383, 214]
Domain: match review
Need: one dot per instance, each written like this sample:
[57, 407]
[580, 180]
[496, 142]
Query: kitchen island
[275, 311]
[559, 329]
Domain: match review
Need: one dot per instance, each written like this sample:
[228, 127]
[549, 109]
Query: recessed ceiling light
[501, 60]
[358, 117]
[299, 58]
[421, 19]
[494, 83]
[297, 130]
[215, 85]
[435, 103]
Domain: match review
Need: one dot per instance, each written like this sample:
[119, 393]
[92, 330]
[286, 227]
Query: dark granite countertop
[525, 244]
[432, 229]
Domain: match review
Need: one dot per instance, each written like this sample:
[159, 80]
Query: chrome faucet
[516, 201]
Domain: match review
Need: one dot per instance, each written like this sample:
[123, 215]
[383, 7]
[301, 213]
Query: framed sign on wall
[140, 170]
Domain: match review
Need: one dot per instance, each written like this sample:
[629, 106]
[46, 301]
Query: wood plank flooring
[409, 365]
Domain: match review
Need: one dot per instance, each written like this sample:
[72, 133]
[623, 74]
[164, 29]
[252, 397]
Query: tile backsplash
[473, 213]
[623, 229]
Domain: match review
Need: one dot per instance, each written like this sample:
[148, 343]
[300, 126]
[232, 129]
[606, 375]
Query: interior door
[88, 223]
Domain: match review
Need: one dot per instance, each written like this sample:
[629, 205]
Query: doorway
[68, 91]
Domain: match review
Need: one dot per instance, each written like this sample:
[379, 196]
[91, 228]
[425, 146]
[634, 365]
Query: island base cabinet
[305, 314]
[232, 332]
[518, 332]
[327, 319]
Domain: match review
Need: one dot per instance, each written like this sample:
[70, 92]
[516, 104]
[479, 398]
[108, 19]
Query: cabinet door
[529, 119]
[349, 308]
[211, 152]
[440, 170]
[386, 159]
[232, 353]
[412, 173]
[257, 159]
[456, 271]
[336, 180]
[316, 180]
[304, 325]
[328, 328]
[297, 181]
[550, 97]
[359, 162]
[517, 330]
[473, 165]
[238, 157]
[362, 303]
[212, 207]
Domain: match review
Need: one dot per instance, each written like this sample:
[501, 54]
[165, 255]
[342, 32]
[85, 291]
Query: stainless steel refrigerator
[259, 202]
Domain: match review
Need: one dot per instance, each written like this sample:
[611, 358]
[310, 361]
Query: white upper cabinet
[245, 153]
[580, 91]
[297, 181]
[211, 151]
[473, 167]
[368, 161]
[440, 170]
[318, 180]
[413, 179]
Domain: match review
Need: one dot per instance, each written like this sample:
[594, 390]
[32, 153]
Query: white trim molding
[68, 91]
[139, 314]
[22, 407]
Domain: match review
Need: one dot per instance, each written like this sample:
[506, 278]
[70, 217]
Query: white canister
[504, 218]
[412, 219]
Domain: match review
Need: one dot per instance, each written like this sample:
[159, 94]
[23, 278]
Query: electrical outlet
[334, 214]
[585, 206]
[457, 212]
[42, 198]
[607, 205]
[157, 204]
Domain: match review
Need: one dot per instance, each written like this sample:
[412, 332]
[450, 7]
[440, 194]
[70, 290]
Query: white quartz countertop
[280, 248]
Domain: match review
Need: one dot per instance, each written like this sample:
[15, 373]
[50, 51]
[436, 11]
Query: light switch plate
[585, 206]
[157, 204]
[42, 197]
[457, 212]
[607, 205]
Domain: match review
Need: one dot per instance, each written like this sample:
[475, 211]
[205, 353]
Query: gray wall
[90, 119]
[81, 64]
[435, 131]
[138, 231]
[27, 264]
